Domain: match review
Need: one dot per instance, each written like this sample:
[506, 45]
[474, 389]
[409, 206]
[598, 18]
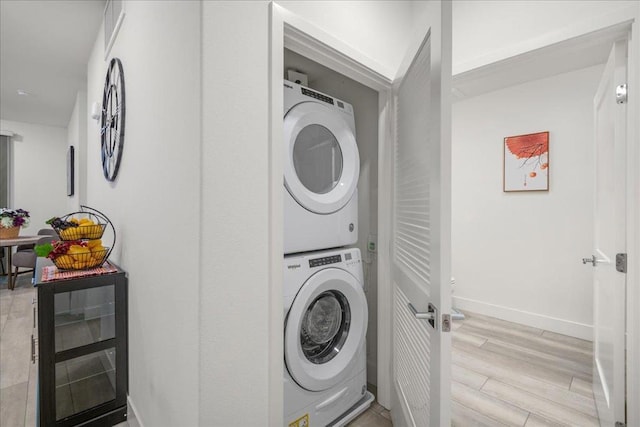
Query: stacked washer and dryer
[325, 381]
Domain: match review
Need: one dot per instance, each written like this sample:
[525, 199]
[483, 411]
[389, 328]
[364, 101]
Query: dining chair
[27, 258]
[41, 232]
[4, 272]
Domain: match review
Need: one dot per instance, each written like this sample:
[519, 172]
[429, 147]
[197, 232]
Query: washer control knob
[351, 227]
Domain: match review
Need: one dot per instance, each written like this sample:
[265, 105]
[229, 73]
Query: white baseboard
[548, 323]
[133, 414]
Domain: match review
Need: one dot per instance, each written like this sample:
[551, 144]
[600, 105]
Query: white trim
[116, 28]
[567, 55]
[385, 290]
[6, 133]
[318, 45]
[633, 224]
[548, 323]
[275, 220]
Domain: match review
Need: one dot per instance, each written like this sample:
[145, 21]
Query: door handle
[430, 315]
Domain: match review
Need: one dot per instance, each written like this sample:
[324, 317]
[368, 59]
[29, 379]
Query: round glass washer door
[325, 329]
[322, 164]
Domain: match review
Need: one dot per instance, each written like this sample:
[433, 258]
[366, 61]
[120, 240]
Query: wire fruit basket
[81, 260]
[80, 245]
[70, 228]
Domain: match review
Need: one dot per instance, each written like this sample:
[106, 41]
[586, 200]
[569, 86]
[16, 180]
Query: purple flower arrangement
[13, 218]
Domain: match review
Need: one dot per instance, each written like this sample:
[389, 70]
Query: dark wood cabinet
[82, 350]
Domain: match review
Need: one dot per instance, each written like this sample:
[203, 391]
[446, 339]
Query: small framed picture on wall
[70, 170]
[526, 162]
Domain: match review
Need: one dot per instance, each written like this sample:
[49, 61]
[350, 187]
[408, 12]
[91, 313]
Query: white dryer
[325, 378]
[321, 170]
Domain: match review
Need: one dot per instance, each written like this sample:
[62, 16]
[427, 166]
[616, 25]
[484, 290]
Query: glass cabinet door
[85, 382]
[84, 316]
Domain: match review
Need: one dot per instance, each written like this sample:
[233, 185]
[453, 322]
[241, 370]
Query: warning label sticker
[301, 422]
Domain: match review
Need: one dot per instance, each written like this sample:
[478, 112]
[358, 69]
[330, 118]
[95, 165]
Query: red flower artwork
[528, 146]
[526, 162]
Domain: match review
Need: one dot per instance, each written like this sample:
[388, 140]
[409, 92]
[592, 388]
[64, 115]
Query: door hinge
[446, 323]
[621, 94]
[620, 424]
[621, 263]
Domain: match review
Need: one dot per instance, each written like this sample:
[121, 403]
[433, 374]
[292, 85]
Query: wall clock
[112, 120]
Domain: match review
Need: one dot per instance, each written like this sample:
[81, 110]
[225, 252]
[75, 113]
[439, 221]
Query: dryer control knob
[351, 227]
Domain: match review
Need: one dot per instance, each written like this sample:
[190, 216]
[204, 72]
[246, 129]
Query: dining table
[10, 243]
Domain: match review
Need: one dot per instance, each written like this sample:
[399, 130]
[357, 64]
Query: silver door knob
[591, 260]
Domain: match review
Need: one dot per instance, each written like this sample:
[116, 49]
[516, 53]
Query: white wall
[490, 31]
[39, 168]
[379, 30]
[77, 137]
[517, 255]
[234, 297]
[365, 105]
[155, 201]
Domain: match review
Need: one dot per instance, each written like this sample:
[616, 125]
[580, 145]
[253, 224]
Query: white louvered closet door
[421, 230]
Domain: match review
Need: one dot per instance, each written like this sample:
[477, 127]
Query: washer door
[325, 329]
[322, 164]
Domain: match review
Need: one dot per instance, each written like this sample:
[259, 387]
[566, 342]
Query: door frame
[288, 30]
[633, 222]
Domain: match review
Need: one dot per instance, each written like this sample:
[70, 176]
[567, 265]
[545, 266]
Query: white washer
[321, 170]
[325, 377]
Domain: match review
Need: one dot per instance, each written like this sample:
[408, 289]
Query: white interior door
[610, 228]
[421, 254]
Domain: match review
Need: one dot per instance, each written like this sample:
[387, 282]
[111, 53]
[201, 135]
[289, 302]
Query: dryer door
[321, 165]
[325, 329]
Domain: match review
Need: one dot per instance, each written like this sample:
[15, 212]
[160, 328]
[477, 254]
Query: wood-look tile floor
[507, 374]
[515, 375]
[18, 376]
[375, 416]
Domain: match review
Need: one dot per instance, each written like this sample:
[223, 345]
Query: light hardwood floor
[515, 375]
[17, 373]
[507, 374]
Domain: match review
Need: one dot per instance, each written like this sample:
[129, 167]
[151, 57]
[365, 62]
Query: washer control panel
[317, 262]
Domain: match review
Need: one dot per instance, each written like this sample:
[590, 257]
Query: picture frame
[526, 162]
[70, 170]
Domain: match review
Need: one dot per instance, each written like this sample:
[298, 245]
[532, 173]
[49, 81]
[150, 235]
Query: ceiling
[44, 50]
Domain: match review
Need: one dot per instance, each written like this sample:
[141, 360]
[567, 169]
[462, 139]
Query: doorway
[516, 256]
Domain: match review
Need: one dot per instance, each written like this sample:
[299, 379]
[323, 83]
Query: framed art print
[526, 162]
[70, 170]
